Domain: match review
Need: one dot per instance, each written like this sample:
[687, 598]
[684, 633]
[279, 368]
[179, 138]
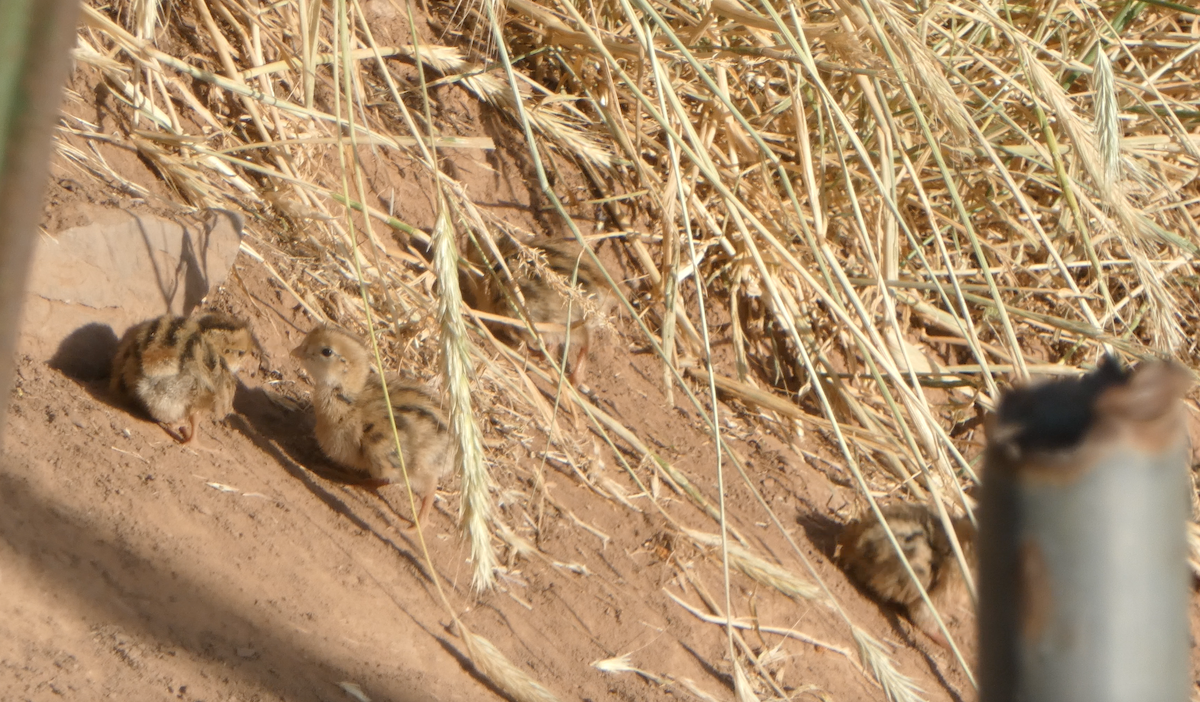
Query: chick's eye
[241, 353]
[326, 352]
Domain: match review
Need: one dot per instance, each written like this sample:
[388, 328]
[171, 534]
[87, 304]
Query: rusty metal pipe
[1084, 582]
[35, 43]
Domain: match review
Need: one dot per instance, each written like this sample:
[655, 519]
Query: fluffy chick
[549, 302]
[352, 417]
[181, 368]
[867, 556]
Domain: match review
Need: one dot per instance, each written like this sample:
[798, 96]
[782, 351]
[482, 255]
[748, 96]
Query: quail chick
[547, 301]
[352, 417]
[867, 556]
[181, 368]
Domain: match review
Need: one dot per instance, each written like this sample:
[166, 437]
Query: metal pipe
[1084, 584]
[35, 41]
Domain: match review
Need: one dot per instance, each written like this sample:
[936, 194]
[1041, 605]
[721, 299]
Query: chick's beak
[296, 352]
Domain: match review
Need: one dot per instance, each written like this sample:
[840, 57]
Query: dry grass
[897, 209]
[494, 666]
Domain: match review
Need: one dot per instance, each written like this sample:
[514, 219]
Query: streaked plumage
[352, 417]
[546, 301]
[869, 559]
[182, 368]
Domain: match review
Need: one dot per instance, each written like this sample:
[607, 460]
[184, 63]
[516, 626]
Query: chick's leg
[581, 356]
[427, 505]
[372, 486]
[193, 430]
[184, 433]
[921, 615]
[174, 431]
[423, 511]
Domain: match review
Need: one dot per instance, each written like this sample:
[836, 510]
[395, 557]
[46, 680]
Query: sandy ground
[133, 568]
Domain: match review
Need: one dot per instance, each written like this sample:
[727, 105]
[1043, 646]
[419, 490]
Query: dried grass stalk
[476, 510]
[508, 678]
[761, 570]
[897, 686]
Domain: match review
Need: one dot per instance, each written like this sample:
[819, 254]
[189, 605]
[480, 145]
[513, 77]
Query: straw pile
[892, 210]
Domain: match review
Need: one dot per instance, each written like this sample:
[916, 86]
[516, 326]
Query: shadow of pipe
[105, 581]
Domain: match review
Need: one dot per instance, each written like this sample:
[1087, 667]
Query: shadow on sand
[103, 580]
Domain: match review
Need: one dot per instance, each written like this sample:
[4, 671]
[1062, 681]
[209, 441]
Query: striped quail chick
[867, 556]
[182, 368]
[549, 303]
[352, 418]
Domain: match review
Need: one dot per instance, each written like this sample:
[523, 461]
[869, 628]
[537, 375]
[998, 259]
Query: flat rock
[89, 283]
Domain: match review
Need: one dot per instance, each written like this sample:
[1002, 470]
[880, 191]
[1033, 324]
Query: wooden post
[1084, 582]
[36, 37]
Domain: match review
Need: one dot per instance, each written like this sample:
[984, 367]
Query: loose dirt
[133, 568]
